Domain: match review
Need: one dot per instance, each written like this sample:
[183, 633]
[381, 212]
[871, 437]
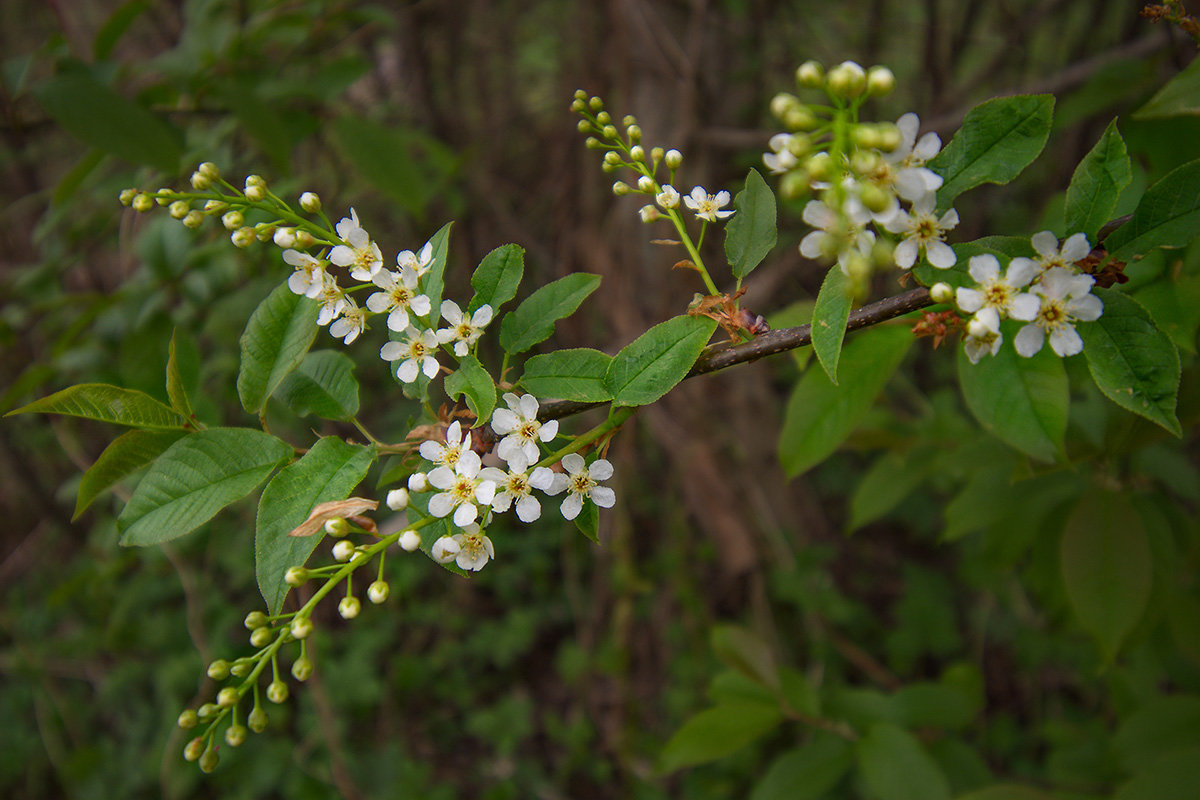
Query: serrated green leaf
[1132, 361]
[717, 732]
[574, 374]
[323, 385]
[1179, 97]
[279, 333]
[105, 403]
[998, 139]
[819, 415]
[894, 766]
[497, 277]
[475, 382]
[126, 454]
[750, 233]
[1168, 215]
[328, 471]
[806, 772]
[830, 315]
[1097, 184]
[652, 364]
[175, 386]
[533, 320]
[95, 114]
[194, 479]
[1022, 401]
[745, 651]
[1107, 567]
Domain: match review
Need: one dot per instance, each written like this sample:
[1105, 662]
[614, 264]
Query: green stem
[616, 418]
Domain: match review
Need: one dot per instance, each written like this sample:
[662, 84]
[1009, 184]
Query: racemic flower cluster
[469, 493]
[1048, 293]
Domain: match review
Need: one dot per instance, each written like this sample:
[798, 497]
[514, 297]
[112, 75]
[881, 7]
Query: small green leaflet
[497, 277]
[100, 401]
[651, 365]
[716, 732]
[806, 772]
[830, 315]
[126, 454]
[1097, 183]
[533, 320]
[574, 374]
[279, 333]
[473, 381]
[1180, 97]
[750, 234]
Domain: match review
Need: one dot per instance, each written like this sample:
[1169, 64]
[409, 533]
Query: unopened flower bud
[209, 170]
[302, 668]
[215, 206]
[295, 576]
[277, 692]
[242, 237]
[646, 184]
[880, 81]
[649, 213]
[609, 132]
[218, 670]
[256, 193]
[810, 75]
[302, 627]
[410, 541]
[673, 159]
[256, 180]
[585, 126]
[847, 79]
[194, 748]
[257, 720]
[337, 526]
[820, 166]
[193, 219]
[161, 196]
[200, 181]
[604, 118]
[208, 711]
[377, 592]
[794, 184]
[634, 132]
[142, 202]
[241, 668]
[941, 292]
[264, 231]
[126, 196]
[235, 735]
[800, 118]
[596, 104]
[227, 697]
[285, 237]
[188, 719]
[656, 154]
[782, 103]
[397, 499]
[578, 106]
[255, 620]
[866, 136]
[799, 144]
[310, 202]
[857, 267]
[179, 209]
[592, 143]
[889, 136]
[612, 158]
[637, 153]
[349, 606]
[232, 220]
[208, 762]
[628, 119]
[865, 162]
[304, 239]
[621, 188]
[342, 551]
[874, 197]
[261, 637]
[418, 482]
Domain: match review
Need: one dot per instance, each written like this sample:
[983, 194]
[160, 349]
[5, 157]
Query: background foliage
[945, 621]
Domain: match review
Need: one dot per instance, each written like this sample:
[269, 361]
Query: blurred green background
[561, 669]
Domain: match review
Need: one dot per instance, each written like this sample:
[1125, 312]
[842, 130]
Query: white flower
[923, 231]
[519, 426]
[1075, 248]
[444, 550]
[350, 324]
[668, 198]
[416, 350]
[707, 206]
[446, 455]
[358, 253]
[837, 236]
[997, 296]
[515, 486]
[907, 171]
[332, 299]
[418, 263]
[583, 482]
[470, 550]
[399, 295]
[463, 332]
[780, 159]
[309, 277]
[397, 499]
[461, 489]
[982, 339]
[1065, 298]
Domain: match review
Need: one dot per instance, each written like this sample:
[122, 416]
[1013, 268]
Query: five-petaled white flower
[906, 164]
[1074, 249]
[780, 159]
[458, 441]
[350, 324]
[668, 198]
[469, 550]
[519, 426]
[923, 230]
[462, 488]
[462, 331]
[399, 295]
[583, 482]
[515, 486]
[309, 278]
[417, 262]
[708, 206]
[416, 350]
[1065, 298]
[332, 299]
[997, 296]
[358, 253]
[836, 235]
[982, 339]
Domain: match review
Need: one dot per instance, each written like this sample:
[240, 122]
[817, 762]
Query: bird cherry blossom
[399, 297]
[922, 230]
[519, 426]
[583, 482]
[458, 441]
[836, 235]
[1065, 298]
[780, 159]
[668, 198]
[1050, 255]
[708, 206]
[358, 253]
[416, 350]
[982, 338]
[461, 489]
[906, 170]
[469, 550]
[462, 331]
[516, 485]
[998, 297]
[350, 324]
[309, 278]
[417, 262]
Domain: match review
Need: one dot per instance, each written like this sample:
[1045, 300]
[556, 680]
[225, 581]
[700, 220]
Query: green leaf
[533, 320]
[716, 732]
[1097, 183]
[128, 453]
[890, 479]
[935, 705]
[1007, 791]
[1173, 776]
[100, 401]
[574, 374]
[497, 277]
[1132, 361]
[998, 139]
[279, 333]
[820, 416]
[1180, 97]
[1161, 724]
[323, 385]
[1107, 567]
[588, 522]
[433, 281]
[472, 380]
[408, 165]
[894, 766]
[258, 117]
[1168, 215]
[652, 364]
[328, 471]
[830, 315]
[96, 115]
[750, 234]
[194, 479]
[745, 651]
[115, 26]
[1022, 401]
[806, 772]
[175, 387]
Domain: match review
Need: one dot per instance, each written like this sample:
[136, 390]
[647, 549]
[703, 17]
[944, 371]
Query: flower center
[1052, 315]
[581, 483]
[463, 490]
[463, 330]
[997, 295]
[528, 431]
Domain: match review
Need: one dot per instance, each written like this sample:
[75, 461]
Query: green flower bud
[889, 136]
[377, 592]
[866, 136]
[820, 166]
[343, 550]
[810, 75]
[857, 267]
[200, 181]
[126, 196]
[295, 576]
[261, 637]
[782, 103]
[799, 145]
[580, 94]
[592, 143]
[847, 80]
[277, 692]
[193, 219]
[301, 627]
[865, 162]
[874, 197]
[235, 735]
[604, 118]
[241, 668]
[161, 196]
[193, 749]
[940, 292]
[794, 184]
[634, 132]
[609, 132]
[621, 188]
[302, 668]
[656, 154]
[188, 719]
[209, 170]
[264, 231]
[215, 206]
[349, 606]
[232, 220]
[636, 153]
[208, 761]
[673, 159]
[256, 193]
[646, 185]
[628, 120]
[612, 158]
[578, 106]
[596, 104]
[227, 697]
[337, 527]
[255, 620]
[142, 202]
[800, 118]
[242, 237]
[880, 81]
[218, 670]
[584, 126]
[257, 720]
[208, 711]
[310, 202]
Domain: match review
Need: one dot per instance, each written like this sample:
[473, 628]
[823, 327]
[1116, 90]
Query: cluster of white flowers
[467, 492]
[1048, 293]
